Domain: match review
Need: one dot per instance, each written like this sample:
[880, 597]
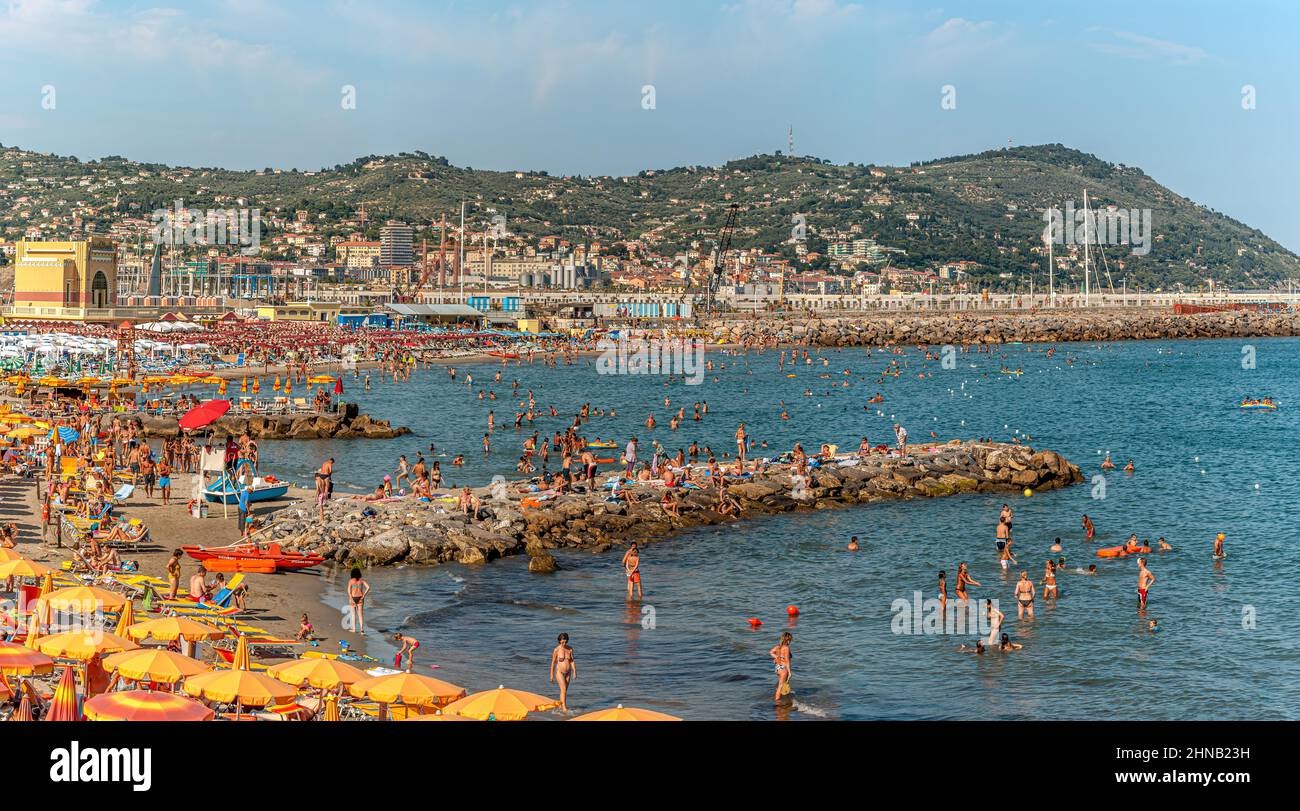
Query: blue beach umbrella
[66, 434]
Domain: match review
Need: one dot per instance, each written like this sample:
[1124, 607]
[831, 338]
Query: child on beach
[305, 630]
[409, 646]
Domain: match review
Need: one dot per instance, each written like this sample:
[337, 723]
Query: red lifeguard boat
[255, 554]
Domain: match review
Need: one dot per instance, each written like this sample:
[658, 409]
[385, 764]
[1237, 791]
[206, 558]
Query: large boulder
[384, 547]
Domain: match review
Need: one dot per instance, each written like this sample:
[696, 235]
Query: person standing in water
[1145, 579]
[1024, 596]
[1219, 554]
[781, 661]
[563, 668]
[1088, 528]
[632, 567]
[357, 591]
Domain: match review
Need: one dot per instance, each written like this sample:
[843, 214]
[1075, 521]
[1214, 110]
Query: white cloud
[1139, 46]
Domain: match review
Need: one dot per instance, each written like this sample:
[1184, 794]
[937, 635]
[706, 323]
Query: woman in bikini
[357, 591]
[1049, 581]
[963, 580]
[781, 660]
[563, 668]
[1024, 596]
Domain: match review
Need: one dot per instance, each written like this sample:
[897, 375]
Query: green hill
[986, 207]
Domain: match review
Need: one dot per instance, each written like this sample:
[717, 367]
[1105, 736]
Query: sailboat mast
[1087, 223]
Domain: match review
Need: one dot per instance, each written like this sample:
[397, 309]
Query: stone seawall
[409, 531]
[272, 426]
[878, 329]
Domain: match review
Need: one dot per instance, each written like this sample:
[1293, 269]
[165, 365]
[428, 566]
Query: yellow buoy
[1028, 492]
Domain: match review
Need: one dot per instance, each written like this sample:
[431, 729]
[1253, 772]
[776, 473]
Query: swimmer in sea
[1056, 546]
[963, 580]
[632, 568]
[1129, 467]
[943, 593]
[1164, 545]
[977, 649]
[1145, 581]
[995, 618]
[1005, 557]
[853, 544]
[1106, 464]
[1049, 581]
[1007, 645]
[1219, 554]
[1002, 539]
[1024, 596]
[781, 661]
[1088, 528]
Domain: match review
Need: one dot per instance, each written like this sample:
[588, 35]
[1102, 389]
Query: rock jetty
[879, 329]
[343, 425]
[510, 522]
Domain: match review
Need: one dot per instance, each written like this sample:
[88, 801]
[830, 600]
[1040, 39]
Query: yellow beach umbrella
[85, 599]
[23, 432]
[154, 664]
[83, 644]
[320, 379]
[437, 716]
[331, 708]
[17, 660]
[125, 619]
[323, 674]
[22, 567]
[39, 620]
[7, 555]
[16, 418]
[243, 687]
[145, 705]
[407, 688]
[501, 704]
[167, 629]
[241, 659]
[621, 713]
[276, 386]
[52, 381]
[47, 584]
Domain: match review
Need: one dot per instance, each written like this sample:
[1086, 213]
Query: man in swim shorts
[409, 646]
[1145, 579]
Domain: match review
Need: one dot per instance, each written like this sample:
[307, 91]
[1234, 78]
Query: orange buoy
[792, 610]
[754, 622]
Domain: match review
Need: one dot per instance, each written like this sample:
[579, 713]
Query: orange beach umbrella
[323, 674]
[167, 629]
[83, 644]
[85, 599]
[19, 660]
[501, 704]
[621, 713]
[407, 688]
[145, 705]
[155, 665]
[63, 707]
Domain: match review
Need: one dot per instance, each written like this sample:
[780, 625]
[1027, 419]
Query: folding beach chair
[123, 493]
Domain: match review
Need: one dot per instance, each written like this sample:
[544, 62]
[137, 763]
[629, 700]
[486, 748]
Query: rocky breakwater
[1004, 327]
[272, 426]
[511, 522]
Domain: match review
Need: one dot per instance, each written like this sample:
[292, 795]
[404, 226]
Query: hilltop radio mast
[790, 143]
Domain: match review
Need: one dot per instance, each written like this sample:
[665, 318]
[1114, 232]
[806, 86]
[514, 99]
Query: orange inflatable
[1112, 552]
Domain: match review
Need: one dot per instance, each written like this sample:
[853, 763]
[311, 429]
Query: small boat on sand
[264, 488]
[256, 555]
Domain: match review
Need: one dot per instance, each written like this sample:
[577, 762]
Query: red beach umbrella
[63, 707]
[204, 413]
[338, 385]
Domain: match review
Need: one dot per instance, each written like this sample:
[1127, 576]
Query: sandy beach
[275, 602]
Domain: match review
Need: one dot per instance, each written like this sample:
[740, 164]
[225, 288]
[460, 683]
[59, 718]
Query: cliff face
[408, 531]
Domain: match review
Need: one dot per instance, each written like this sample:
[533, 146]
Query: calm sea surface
[1228, 644]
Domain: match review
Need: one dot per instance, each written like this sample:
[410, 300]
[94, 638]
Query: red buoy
[792, 610]
[754, 622]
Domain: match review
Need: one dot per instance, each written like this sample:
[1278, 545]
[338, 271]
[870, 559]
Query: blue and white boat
[224, 491]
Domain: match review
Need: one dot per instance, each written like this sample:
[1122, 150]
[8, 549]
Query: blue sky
[558, 85]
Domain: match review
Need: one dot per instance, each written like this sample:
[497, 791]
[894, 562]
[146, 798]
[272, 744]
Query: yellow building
[327, 311]
[65, 279]
[356, 254]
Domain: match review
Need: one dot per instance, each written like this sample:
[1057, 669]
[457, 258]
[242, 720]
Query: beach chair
[122, 493]
[300, 404]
